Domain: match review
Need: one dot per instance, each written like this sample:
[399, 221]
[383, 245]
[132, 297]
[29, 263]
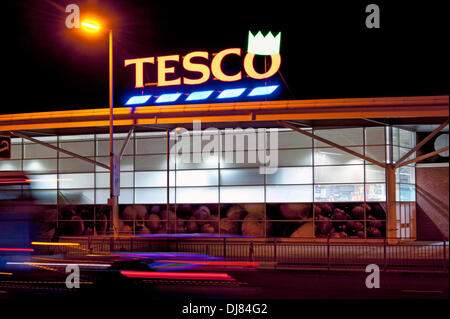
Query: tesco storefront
[171, 184]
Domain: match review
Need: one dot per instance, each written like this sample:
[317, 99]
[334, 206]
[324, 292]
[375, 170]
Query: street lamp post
[114, 161]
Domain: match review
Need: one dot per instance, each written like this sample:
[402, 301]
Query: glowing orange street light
[94, 26]
[90, 26]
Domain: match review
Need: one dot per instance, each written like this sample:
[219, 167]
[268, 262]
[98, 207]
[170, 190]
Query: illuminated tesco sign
[203, 68]
[257, 45]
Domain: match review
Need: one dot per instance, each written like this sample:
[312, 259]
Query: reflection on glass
[81, 148]
[74, 197]
[338, 193]
[40, 165]
[74, 165]
[39, 151]
[197, 178]
[291, 139]
[375, 174]
[153, 195]
[375, 192]
[296, 157]
[151, 146]
[330, 156]
[76, 181]
[375, 135]
[289, 193]
[339, 174]
[241, 177]
[407, 193]
[291, 175]
[10, 165]
[343, 137]
[241, 194]
[376, 152]
[405, 174]
[197, 194]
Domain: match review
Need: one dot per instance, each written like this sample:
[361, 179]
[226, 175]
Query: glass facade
[402, 142]
[313, 190]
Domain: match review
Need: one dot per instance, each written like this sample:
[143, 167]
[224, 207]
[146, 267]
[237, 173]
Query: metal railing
[281, 251]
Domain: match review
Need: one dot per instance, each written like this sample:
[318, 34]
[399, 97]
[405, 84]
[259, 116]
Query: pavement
[299, 292]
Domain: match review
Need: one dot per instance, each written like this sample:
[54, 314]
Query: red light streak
[14, 181]
[176, 275]
[214, 263]
[17, 249]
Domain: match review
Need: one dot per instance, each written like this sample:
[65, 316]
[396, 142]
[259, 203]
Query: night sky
[326, 50]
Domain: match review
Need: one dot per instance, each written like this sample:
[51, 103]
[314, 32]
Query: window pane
[291, 175]
[101, 196]
[291, 229]
[407, 138]
[197, 161]
[102, 180]
[151, 146]
[126, 163]
[339, 174]
[407, 193]
[399, 152]
[10, 165]
[151, 134]
[75, 165]
[240, 140]
[79, 196]
[376, 152]
[126, 196]
[103, 147]
[375, 136]
[43, 165]
[292, 139]
[43, 181]
[376, 192]
[45, 197]
[77, 137]
[153, 195]
[242, 194]
[153, 179]
[405, 174]
[151, 162]
[76, 181]
[39, 151]
[240, 159]
[241, 177]
[289, 193]
[343, 137]
[298, 157]
[81, 148]
[16, 148]
[197, 194]
[197, 178]
[375, 174]
[395, 136]
[330, 156]
[338, 193]
[126, 179]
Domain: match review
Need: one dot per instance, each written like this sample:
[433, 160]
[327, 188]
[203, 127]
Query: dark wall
[432, 203]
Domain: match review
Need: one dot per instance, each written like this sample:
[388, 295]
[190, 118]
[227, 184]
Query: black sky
[327, 52]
